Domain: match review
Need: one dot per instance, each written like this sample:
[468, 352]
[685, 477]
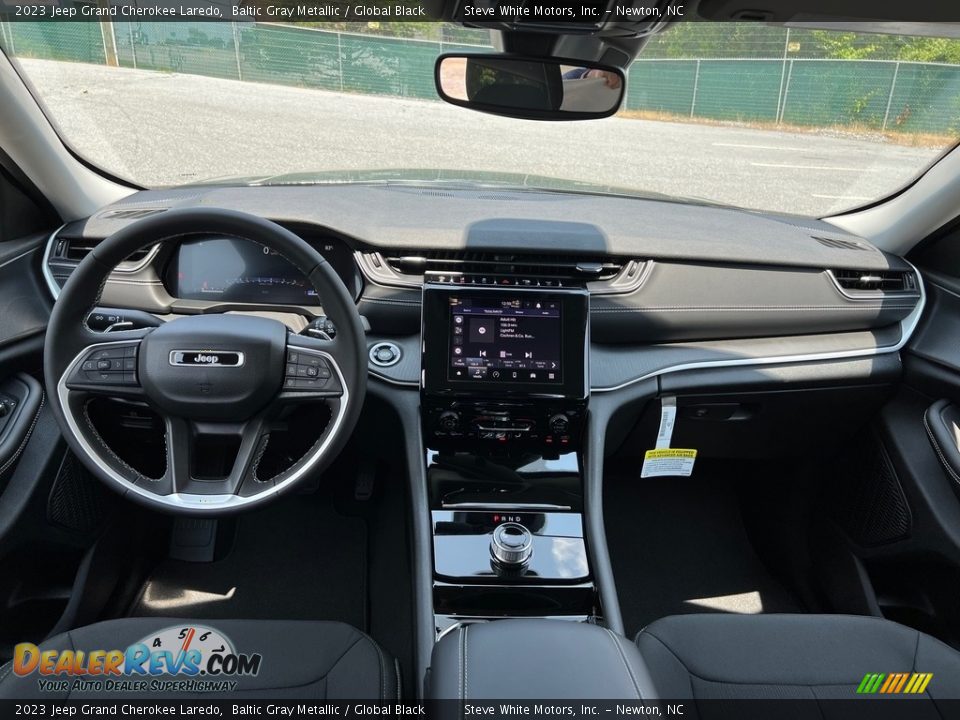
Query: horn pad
[213, 367]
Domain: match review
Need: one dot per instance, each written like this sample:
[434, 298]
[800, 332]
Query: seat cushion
[789, 656]
[309, 660]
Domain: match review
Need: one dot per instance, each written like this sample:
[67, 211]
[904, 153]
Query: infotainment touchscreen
[505, 338]
[509, 341]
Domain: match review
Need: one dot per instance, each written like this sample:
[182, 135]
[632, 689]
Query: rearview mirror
[530, 88]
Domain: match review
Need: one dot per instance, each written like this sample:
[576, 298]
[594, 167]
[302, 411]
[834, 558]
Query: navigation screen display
[234, 270]
[506, 339]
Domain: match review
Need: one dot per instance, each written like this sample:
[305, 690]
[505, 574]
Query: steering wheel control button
[385, 354]
[115, 365]
[511, 544]
[307, 372]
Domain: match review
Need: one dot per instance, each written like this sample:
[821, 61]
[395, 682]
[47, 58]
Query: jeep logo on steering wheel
[206, 358]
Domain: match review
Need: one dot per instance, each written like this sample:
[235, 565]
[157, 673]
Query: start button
[385, 354]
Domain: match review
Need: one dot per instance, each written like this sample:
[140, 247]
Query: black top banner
[581, 12]
[576, 15]
[587, 14]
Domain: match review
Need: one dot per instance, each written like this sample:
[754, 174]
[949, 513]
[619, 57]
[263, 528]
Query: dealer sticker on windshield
[664, 460]
[668, 461]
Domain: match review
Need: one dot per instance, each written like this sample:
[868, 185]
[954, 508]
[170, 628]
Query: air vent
[76, 249]
[68, 248]
[505, 264]
[876, 282]
[601, 274]
[838, 244]
[132, 213]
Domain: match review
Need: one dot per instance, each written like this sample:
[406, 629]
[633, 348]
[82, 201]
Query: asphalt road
[168, 129]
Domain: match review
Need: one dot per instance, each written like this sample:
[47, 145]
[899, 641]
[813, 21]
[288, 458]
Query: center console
[504, 391]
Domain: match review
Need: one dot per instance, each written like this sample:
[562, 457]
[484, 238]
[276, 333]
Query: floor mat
[678, 545]
[296, 560]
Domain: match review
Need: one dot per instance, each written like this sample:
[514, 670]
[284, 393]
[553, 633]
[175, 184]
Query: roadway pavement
[167, 129]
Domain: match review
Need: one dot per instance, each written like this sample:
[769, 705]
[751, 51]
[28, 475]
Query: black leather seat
[309, 660]
[819, 657]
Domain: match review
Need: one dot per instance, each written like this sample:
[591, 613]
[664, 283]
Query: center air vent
[473, 263]
[872, 283]
[600, 274]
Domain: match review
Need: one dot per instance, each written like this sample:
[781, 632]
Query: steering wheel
[204, 375]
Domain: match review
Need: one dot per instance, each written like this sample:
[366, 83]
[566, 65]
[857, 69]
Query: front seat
[776, 657]
[299, 660]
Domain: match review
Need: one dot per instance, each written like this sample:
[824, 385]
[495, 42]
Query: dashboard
[668, 286]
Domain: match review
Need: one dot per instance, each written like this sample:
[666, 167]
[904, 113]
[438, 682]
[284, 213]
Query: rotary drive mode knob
[559, 424]
[449, 421]
[511, 544]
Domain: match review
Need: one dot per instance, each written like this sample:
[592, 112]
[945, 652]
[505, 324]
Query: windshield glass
[795, 120]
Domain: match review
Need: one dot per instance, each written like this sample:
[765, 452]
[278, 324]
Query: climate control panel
[545, 426]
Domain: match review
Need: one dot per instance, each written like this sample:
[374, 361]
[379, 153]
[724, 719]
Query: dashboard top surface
[418, 217]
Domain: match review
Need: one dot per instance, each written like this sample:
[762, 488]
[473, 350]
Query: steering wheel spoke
[213, 463]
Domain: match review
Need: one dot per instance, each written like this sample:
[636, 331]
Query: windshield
[794, 120]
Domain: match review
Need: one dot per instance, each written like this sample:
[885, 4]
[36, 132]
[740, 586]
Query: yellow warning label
[669, 453]
[665, 462]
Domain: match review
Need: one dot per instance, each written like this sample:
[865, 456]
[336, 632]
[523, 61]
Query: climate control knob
[511, 544]
[449, 421]
[559, 424]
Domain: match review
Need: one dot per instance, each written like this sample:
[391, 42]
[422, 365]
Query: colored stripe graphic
[927, 677]
[894, 683]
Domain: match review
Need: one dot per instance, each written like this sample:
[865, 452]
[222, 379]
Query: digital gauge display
[236, 270]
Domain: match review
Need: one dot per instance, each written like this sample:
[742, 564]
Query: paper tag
[668, 461]
[664, 460]
[668, 416]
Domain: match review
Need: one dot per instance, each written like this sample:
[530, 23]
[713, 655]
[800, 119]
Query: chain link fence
[794, 88]
[900, 96]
